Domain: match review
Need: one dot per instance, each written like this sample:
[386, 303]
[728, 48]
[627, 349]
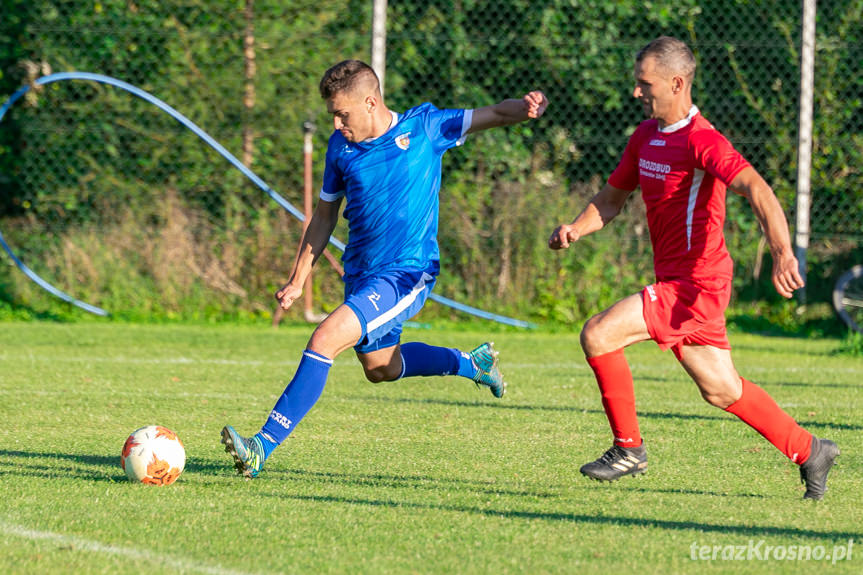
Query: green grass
[426, 475]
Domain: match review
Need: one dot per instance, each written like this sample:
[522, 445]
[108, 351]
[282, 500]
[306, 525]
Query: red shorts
[681, 312]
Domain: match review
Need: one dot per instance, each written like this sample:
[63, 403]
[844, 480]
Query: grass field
[421, 476]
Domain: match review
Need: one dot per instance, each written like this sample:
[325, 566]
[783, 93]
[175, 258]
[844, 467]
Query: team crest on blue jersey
[403, 141]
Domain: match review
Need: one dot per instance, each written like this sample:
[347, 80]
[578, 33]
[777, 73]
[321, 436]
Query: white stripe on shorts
[402, 305]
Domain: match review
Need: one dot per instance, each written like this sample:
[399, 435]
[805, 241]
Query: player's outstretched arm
[509, 112]
[604, 206]
[786, 271]
[315, 239]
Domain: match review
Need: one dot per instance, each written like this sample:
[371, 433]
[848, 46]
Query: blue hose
[228, 156]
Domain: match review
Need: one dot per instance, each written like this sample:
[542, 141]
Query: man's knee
[721, 394]
[318, 343]
[720, 400]
[338, 332]
[375, 375]
[591, 341]
[382, 373]
[713, 372]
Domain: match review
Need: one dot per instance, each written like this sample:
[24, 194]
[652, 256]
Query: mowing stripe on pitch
[80, 544]
[578, 364]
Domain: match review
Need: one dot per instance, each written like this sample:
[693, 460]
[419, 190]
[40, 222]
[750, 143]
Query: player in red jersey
[683, 166]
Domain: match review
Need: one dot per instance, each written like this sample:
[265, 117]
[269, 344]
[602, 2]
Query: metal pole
[379, 40]
[308, 131]
[804, 144]
[250, 71]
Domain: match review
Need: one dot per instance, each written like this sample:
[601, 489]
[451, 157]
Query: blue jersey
[390, 185]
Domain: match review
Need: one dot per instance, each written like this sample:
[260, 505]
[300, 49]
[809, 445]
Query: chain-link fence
[117, 203]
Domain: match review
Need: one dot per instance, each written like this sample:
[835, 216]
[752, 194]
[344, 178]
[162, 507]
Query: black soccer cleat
[616, 463]
[814, 471]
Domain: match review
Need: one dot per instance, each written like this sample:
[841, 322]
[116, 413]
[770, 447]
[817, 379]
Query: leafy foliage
[106, 195]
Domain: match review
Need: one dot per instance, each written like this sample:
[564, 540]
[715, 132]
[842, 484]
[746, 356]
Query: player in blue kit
[386, 168]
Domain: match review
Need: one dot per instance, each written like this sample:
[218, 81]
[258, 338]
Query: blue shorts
[384, 302]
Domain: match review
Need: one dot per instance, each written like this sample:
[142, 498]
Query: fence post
[379, 40]
[308, 132]
[804, 142]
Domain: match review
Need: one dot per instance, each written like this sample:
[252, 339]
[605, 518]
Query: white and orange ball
[153, 455]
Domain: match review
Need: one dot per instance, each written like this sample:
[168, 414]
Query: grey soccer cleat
[488, 373]
[617, 462]
[814, 471]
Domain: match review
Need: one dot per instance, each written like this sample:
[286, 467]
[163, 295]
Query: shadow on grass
[477, 486]
[580, 410]
[411, 482]
[759, 531]
[73, 467]
[675, 491]
[24, 464]
[381, 480]
[813, 385]
[41, 470]
[485, 487]
[107, 468]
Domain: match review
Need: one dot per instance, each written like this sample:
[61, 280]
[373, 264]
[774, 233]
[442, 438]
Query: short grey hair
[671, 54]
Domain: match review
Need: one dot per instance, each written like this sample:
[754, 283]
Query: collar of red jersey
[682, 123]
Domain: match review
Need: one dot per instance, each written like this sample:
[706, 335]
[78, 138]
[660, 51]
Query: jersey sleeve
[715, 154]
[333, 187]
[447, 128]
[625, 175]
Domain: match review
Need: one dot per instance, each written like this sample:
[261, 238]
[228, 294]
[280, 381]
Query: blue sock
[422, 359]
[298, 398]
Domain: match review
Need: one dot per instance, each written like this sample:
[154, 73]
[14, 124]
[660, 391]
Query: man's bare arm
[315, 239]
[509, 112]
[604, 206]
[786, 273]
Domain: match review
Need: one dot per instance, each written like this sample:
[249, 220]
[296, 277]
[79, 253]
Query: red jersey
[683, 170]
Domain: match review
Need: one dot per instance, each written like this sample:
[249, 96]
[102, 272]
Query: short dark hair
[347, 76]
[671, 54]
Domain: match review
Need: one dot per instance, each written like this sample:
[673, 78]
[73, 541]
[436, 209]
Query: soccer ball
[153, 455]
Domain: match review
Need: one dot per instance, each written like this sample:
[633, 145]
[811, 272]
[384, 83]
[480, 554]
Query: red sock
[618, 396]
[758, 410]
